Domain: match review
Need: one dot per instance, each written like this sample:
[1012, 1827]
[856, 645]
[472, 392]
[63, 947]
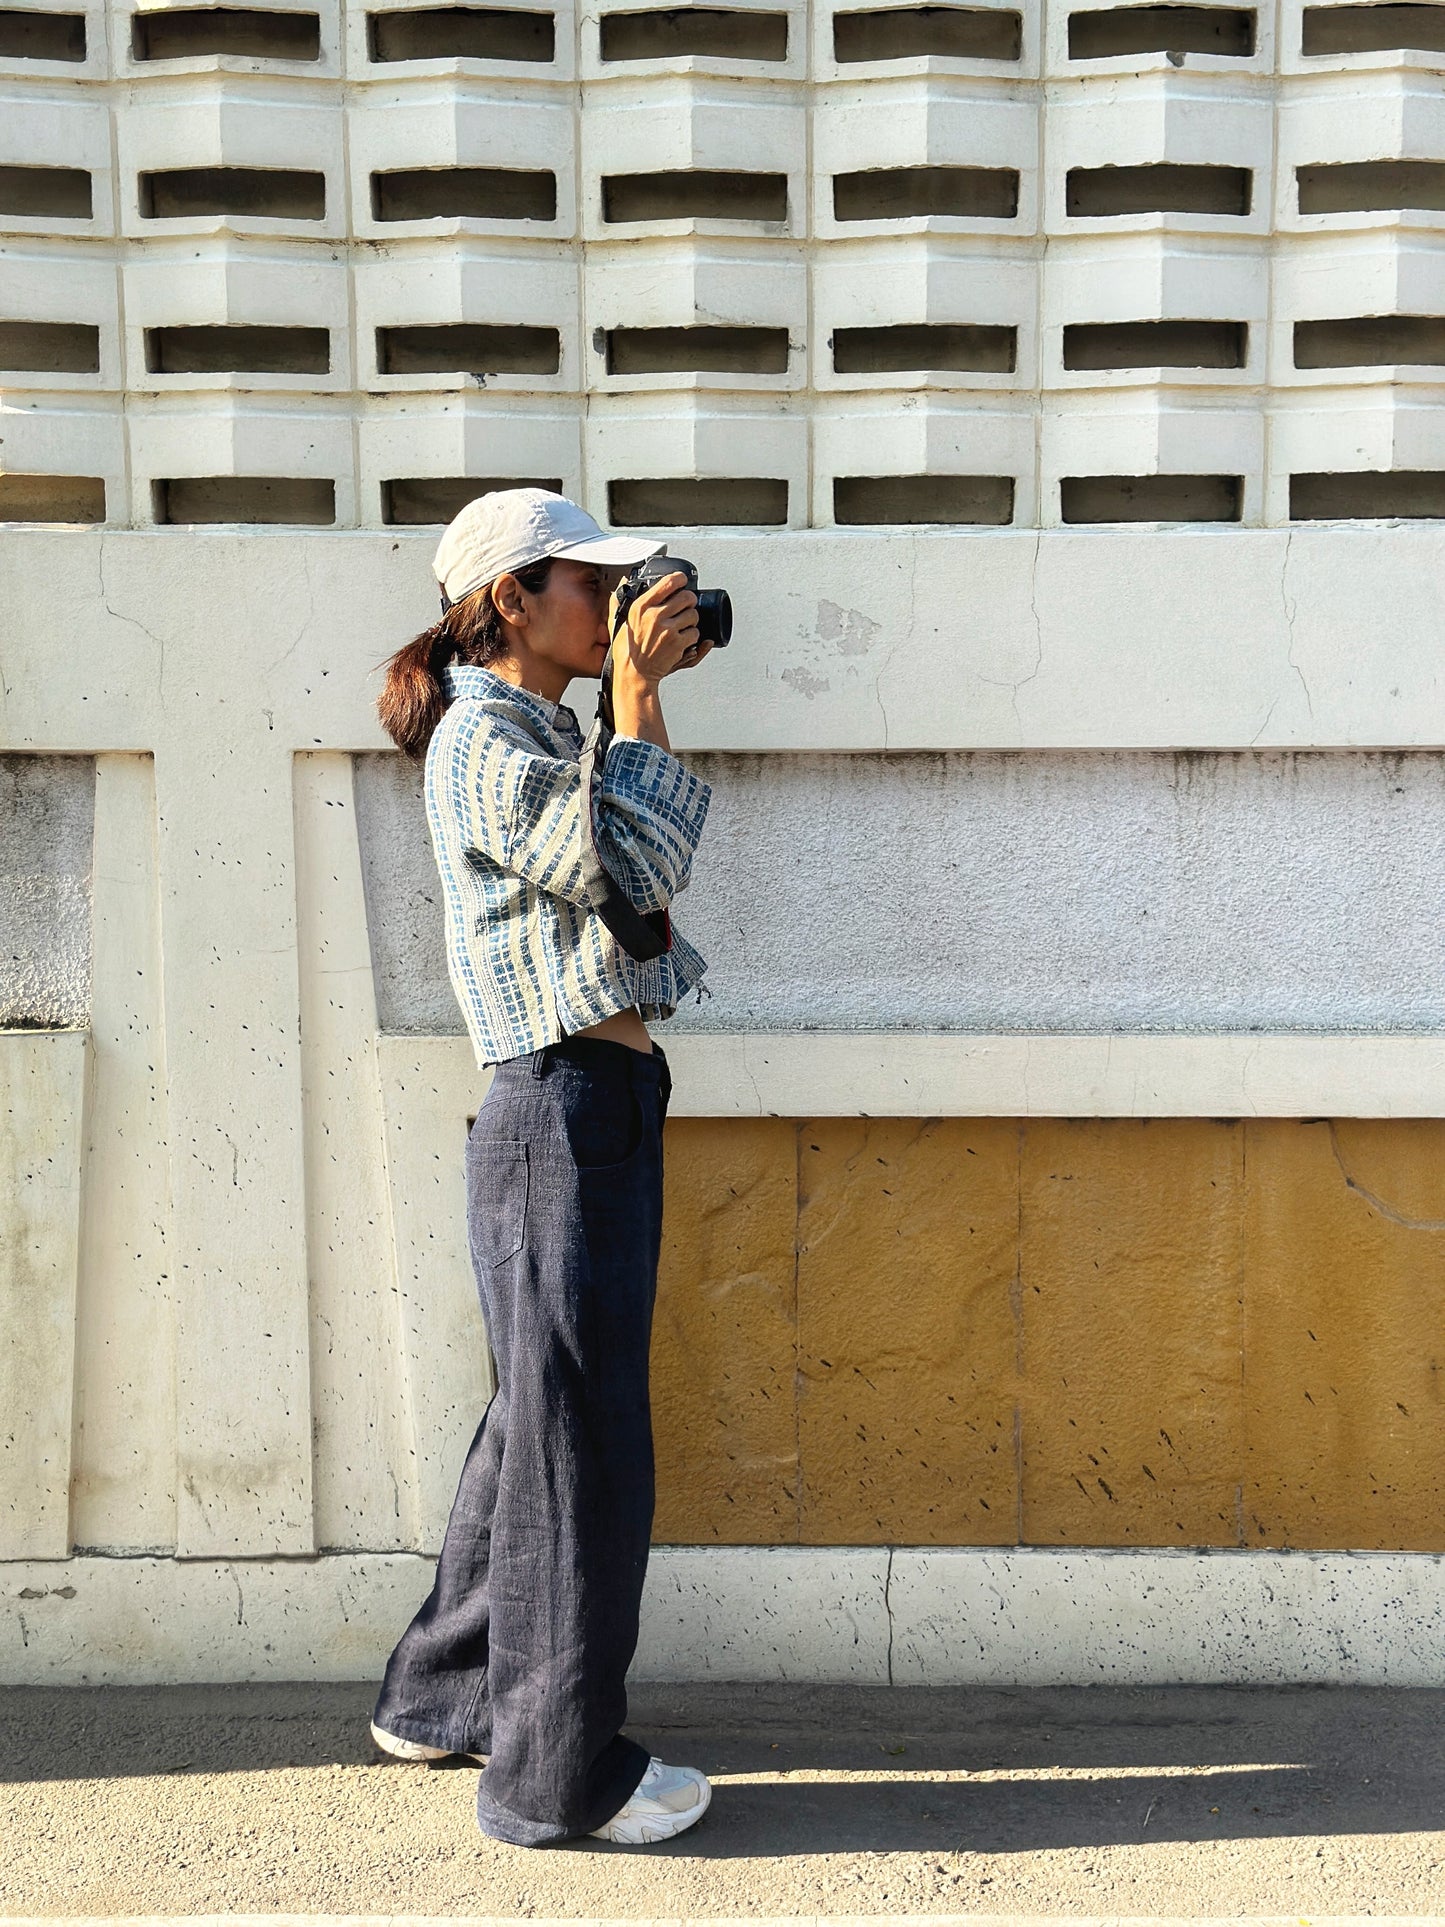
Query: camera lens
[714, 617]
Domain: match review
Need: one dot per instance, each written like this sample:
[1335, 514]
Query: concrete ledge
[911, 1615]
[961, 1074]
[970, 1074]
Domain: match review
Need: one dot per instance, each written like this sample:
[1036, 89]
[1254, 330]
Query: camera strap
[643, 936]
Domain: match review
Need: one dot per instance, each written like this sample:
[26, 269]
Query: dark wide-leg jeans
[522, 1648]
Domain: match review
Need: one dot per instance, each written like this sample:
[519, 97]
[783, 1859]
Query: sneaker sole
[416, 1751]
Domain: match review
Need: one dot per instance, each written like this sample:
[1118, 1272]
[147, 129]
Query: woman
[519, 1655]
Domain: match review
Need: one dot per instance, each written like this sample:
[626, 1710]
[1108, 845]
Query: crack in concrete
[1268, 714]
[1244, 1071]
[119, 614]
[1291, 609]
[1014, 684]
[306, 620]
[887, 664]
[888, 1608]
[1375, 1202]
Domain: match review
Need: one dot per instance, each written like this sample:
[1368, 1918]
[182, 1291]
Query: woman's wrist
[637, 706]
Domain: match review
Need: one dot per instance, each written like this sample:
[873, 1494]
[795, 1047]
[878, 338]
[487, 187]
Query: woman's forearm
[637, 707]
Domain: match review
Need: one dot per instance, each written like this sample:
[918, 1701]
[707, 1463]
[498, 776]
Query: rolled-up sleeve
[650, 815]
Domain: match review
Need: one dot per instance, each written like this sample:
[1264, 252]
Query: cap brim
[619, 550]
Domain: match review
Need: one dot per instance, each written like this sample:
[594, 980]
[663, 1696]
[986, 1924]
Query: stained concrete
[47, 813]
[827, 1800]
[1110, 891]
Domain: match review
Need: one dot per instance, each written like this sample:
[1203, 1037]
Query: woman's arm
[525, 814]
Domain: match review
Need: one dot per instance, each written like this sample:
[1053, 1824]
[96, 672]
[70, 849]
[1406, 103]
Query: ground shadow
[1084, 1766]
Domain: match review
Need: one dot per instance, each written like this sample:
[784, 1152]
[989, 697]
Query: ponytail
[413, 700]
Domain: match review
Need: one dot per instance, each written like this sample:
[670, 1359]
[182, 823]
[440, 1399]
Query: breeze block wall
[1051, 1284]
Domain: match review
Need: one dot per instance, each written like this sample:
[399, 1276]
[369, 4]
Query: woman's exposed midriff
[623, 1027]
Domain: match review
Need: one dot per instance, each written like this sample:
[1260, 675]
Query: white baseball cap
[513, 526]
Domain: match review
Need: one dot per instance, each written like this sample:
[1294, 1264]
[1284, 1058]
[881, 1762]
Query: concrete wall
[1105, 892]
[252, 1326]
[47, 807]
[955, 459]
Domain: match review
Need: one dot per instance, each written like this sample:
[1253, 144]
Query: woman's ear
[508, 601]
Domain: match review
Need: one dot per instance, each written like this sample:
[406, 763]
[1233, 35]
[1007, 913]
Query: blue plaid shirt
[529, 961]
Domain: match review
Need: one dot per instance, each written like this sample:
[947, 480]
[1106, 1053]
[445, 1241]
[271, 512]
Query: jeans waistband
[598, 1053]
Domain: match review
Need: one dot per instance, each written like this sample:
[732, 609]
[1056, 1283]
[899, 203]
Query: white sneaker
[667, 1799]
[401, 1749]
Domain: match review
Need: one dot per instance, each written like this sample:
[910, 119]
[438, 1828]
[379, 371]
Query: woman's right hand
[661, 628]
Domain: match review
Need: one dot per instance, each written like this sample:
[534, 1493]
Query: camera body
[714, 606]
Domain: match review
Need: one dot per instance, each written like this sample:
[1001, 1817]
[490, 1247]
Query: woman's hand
[660, 633]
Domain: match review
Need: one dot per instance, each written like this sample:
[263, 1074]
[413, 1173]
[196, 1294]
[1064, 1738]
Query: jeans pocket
[497, 1195]
[606, 1137]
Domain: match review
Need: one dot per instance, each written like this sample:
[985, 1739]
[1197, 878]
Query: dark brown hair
[413, 701]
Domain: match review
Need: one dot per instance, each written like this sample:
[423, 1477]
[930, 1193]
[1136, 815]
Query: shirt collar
[470, 679]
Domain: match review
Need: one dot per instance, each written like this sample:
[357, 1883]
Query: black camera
[714, 606]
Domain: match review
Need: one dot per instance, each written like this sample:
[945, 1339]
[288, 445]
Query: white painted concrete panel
[123, 1484]
[364, 1456]
[1031, 1617]
[42, 1098]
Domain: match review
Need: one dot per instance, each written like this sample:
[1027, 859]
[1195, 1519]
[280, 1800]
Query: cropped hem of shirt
[529, 961]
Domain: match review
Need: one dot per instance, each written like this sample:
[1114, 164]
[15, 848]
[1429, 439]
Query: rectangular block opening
[464, 193]
[191, 33]
[238, 351]
[300, 500]
[1405, 494]
[1155, 344]
[420, 500]
[462, 348]
[1228, 31]
[695, 194]
[901, 33]
[270, 193]
[461, 33]
[1160, 187]
[698, 502]
[887, 193]
[1374, 340]
[50, 347]
[669, 351]
[52, 498]
[1359, 187]
[662, 33]
[1373, 30]
[41, 36]
[1151, 498]
[906, 348]
[58, 193]
[973, 499]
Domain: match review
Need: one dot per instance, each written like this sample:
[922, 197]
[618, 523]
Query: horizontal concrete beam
[904, 1616]
[965, 1074]
[922, 1074]
[1224, 638]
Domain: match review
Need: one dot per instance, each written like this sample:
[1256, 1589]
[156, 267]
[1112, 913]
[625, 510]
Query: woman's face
[560, 632]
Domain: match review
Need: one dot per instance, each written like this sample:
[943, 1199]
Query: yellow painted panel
[1344, 1334]
[724, 1335]
[1130, 1274]
[906, 1240]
